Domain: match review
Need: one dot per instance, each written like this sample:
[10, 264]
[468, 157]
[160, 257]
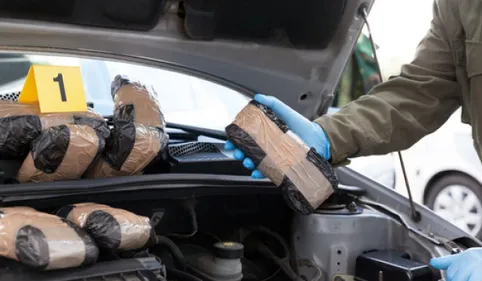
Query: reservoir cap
[228, 250]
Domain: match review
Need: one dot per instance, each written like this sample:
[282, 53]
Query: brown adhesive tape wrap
[44, 241]
[20, 124]
[90, 118]
[145, 144]
[134, 102]
[63, 152]
[18, 209]
[306, 179]
[138, 136]
[111, 228]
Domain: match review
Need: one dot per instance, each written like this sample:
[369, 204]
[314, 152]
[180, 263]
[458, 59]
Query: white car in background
[443, 168]
[445, 174]
[379, 168]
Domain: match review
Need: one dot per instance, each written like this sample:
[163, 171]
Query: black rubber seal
[32, 248]
[48, 150]
[243, 141]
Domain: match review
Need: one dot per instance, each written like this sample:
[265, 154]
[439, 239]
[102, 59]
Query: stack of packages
[67, 146]
[54, 146]
[47, 242]
[138, 136]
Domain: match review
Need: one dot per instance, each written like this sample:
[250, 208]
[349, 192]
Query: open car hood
[295, 51]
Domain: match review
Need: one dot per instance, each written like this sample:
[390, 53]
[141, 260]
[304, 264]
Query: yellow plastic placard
[54, 88]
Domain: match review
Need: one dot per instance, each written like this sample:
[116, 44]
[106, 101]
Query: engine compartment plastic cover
[141, 269]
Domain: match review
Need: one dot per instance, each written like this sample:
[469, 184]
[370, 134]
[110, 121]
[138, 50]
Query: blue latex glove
[311, 133]
[466, 266]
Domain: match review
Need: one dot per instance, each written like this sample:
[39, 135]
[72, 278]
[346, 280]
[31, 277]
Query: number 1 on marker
[60, 79]
[43, 84]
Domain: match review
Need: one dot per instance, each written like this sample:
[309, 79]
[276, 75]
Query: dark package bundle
[111, 228]
[129, 152]
[20, 124]
[61, 153]
[306, 179]
[138, 136]
[44, 241]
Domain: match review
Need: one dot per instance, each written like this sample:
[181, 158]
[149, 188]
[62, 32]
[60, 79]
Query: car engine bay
[250, 237]
[207, 219]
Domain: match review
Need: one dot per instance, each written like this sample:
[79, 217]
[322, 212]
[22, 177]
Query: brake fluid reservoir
[222, 264]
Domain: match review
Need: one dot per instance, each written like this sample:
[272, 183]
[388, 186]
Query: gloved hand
[466, 266]
[311, 133]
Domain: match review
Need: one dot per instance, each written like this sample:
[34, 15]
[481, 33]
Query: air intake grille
[192, 148]
[10, 96]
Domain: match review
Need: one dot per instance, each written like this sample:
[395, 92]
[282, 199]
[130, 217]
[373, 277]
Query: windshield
[184, 99]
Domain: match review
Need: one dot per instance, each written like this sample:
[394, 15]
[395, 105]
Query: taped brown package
[18, 209]
[20, 124]
[306, 179]
[89, 117]
[61, 153]
[138, 136]
[44, 241]
[146, 146]
[134, 102]
[111, 228]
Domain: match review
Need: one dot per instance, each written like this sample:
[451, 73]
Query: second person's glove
[466, 266]
[311, 133]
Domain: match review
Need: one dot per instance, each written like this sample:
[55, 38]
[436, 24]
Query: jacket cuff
[338, 150]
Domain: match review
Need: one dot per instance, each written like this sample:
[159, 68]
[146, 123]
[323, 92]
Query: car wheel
[458, 199]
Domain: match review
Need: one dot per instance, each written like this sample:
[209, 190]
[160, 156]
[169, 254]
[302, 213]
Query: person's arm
[401, 111]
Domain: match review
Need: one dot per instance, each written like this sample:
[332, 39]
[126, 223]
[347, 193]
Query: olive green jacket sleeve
[399, 112]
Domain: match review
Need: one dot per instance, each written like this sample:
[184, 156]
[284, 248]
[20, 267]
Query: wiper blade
[216, 134]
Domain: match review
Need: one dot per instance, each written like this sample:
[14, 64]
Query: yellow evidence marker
[55, 89]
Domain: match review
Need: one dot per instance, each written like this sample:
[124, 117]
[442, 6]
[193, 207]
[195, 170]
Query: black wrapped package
[306, 179]
[138, 136]
[111, 228]
[63, 152]
[20, 124]
[44, 241]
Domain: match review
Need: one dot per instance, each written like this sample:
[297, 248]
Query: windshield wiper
[196, 131]
[216, 134]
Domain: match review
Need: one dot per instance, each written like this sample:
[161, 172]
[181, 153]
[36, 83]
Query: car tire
[465, 209]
